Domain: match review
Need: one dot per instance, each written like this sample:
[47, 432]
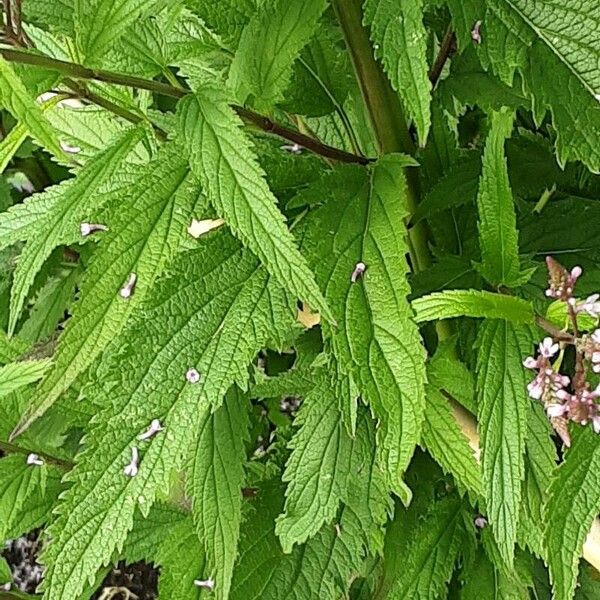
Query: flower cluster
[568, 399]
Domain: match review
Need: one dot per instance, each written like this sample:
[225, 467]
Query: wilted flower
[359, 269]
[131, 470]
[34, 459]
[209, 583]
[152, 430]
[476, 32]
[127, 290]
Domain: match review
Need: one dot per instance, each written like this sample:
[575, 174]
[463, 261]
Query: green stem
[76, 71]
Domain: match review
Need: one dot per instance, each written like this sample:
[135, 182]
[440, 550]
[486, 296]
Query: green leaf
[16, 136]
[16, 99]
[318, 467]
[167, 538]
[213, 313]
[472, 303]
[376, 339]
[400, 41]
[222, 157]
[19, 374]
[144, 235]
[537, 39]
[447, 444]
[503, 407]
[27, 493]
[457, 187]
[430, 553]
[215, 486]
[323, 567]
[100, 23]
[540, 466]
[272, 40]
[227, 17]
[5, 572]
[498, 236]
[61, 224]
[572, 505]
[471, 85]
[50, 306]
[446, 372]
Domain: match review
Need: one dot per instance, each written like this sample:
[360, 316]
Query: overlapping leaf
[555, 49]
[503, 413]
[317, 470]
[400, 41]
[15, 98]
[144, 235]
[472, 303]
[573, 503]
[215, 485]
[99, 23]
[212, 314]
[61, 224]
[376, 340]
[498, 236]
[269, 44]
[221, 156]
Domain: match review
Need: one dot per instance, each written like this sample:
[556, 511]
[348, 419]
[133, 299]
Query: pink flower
[590, 306]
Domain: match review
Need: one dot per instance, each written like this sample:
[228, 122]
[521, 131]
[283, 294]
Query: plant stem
[8, 448]
[76, 71]
[447, 48]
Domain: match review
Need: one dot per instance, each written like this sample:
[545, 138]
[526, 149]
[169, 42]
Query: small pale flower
[480, 522]
[536, 388]
[476, 32]
[531, 363]
[70, 149]
[192, 375]
[292, 148]
[127, 290]
[152, 430]
[34, 459]
[548, 348]
[596, 423]
[208, 584]
[131, 470]
[359, 269]
[590, 306]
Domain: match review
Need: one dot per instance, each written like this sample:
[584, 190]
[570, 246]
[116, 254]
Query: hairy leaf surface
[554, 46]
[376, 340]
[272, 40]
[502, 414]
[573, 503]
[498, 236]
[215, 486]
[16, 99]
[144, 235]
[212, 314]
[61, 225]
[222, 157]
[400, 40]
[317, 470]
[472, 303]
